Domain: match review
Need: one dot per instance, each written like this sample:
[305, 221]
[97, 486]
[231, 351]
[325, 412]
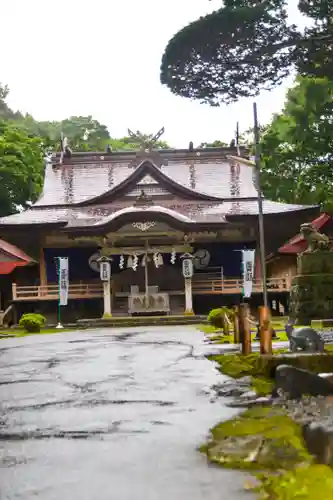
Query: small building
[283, 262]
[144, 209]
[11, 258]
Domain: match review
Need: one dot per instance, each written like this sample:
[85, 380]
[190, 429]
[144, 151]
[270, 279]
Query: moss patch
[267, 440]
[237, 365]
[259, 439]
[262, 386]
[314, 482]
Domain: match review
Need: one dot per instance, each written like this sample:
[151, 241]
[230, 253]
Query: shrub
[32, 323]
[219, 318]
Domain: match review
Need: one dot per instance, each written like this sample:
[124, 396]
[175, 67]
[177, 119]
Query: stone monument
[311, 295]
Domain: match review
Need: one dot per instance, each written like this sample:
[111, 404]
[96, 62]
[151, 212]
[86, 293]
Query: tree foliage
[24, 142]
[21, 168]
[297, 147]
[247, 46]
[214, 144]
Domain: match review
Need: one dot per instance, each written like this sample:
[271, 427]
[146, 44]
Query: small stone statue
[315, 240]
[304, 338]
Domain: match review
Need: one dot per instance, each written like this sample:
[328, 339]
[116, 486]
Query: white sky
[102, 58]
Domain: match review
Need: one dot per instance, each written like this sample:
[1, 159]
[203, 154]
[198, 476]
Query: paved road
[110, 415]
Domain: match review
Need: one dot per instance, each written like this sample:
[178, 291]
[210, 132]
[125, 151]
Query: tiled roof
[207, 186]
[188, 212]
[14, 252]
[216, 176]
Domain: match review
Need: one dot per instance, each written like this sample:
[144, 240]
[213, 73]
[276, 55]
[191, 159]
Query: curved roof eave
[151, 211]
[30, 225]
[297, 209]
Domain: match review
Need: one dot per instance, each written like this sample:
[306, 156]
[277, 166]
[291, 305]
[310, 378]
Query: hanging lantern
[130, 261]
[187, 267]
[160, 259]
[105, 271]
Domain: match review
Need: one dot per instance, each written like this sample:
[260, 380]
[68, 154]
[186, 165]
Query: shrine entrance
[148, 289]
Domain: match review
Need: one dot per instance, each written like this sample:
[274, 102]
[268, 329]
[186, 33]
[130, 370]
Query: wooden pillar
[265, 330]
[105, 275]
[107, 299]
[14, 291]
[188, 297]
[42, 268]
[245, 329]
[236, 325]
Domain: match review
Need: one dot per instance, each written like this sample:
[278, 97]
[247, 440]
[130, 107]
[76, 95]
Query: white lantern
[105, 271]
[187, 268]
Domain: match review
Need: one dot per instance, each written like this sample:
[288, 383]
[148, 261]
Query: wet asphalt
[110, 415]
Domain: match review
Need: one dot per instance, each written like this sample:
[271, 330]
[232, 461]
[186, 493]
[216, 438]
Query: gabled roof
[207, 186]
[147, 170]
[297, 244]
[14, 257]
[210, 173]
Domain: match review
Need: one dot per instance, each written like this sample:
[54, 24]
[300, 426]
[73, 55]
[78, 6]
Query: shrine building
[143, 210]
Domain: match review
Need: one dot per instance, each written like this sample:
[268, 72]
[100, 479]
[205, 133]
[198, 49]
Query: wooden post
[107, 299]
[245, 329]
[236, 325]
[42, 268]
[265, 330]
[188, 297]
[14, 291]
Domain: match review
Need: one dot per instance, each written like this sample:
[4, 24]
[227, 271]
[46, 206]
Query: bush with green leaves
[32, 323]
[219, 318]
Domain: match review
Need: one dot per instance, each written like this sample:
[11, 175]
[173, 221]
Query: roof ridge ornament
[144, 141]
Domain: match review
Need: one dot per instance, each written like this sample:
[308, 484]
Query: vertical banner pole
[260, 205]
[59, 325]
[63, 286]
[245, 329]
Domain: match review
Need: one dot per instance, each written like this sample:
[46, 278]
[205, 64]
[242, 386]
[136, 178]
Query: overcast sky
[102, 58]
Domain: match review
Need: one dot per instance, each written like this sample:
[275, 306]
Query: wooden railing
[51, 292]
[201, 285]
[231, 286]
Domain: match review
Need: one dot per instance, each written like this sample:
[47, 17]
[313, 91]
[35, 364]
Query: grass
[18, 332]
[219, 338]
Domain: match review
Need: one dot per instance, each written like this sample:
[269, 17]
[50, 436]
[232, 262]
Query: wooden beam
[140, 250]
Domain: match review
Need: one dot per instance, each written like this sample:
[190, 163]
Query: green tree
[83, 133]
[247, 46]
[5, 112]
[24, 142]
[214, 144]
[297, 147]
[21, 168]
